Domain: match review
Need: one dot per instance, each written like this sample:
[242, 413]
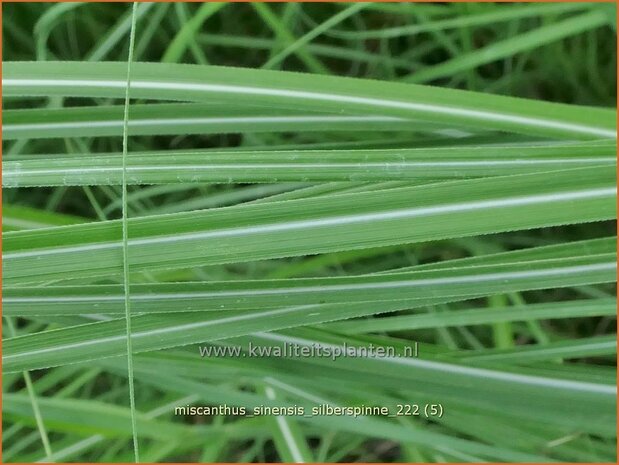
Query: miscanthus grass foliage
[182, 176]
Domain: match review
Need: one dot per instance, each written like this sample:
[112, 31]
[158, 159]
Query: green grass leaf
[307, 165]
[321, 93]
[255, 232]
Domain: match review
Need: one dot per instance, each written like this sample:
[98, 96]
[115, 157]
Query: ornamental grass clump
[400, 212]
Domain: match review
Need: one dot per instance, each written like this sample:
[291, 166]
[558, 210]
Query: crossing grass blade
[125, 235]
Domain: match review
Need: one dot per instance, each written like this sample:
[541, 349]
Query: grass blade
[307, 165]
[309, 92]
[34, 402]
[265, 294]
[465, 317]
[260, 231]
[125, 235]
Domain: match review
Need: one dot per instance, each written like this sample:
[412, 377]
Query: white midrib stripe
[187, 121]
[544, 351]
[450, 368]
[20, 170]
[459, 369]
[323, 288]
[152, 332]
[334, 221]
[376, 102]
[285, 429]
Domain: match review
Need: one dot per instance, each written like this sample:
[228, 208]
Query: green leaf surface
[307, 165]
[88, 417]
[265, 294]
[464, 317]
[278, 229]
[159, 119]
[307, 92]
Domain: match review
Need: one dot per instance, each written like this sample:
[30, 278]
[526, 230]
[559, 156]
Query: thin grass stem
[125, 247]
